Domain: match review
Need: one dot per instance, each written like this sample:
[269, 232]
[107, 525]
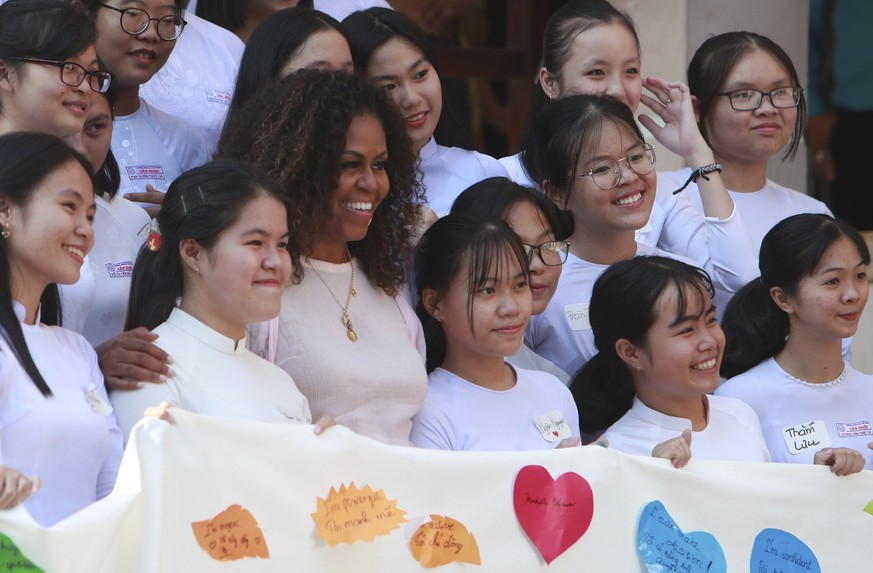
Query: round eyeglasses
[749, 99]
[135, 21]
[73, 74]
[606, 173]
[551, 253]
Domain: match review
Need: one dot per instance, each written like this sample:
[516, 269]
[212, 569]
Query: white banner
[208, 494]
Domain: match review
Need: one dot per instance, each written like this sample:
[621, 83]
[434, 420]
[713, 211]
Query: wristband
[698, 173]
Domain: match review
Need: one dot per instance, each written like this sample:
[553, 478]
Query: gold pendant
[353, 336]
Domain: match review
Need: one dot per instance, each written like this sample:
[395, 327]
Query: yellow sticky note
[232, 534]
[444, 540]
[353, 514]
[869, 507]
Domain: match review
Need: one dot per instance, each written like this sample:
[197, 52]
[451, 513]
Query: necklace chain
[346, 319]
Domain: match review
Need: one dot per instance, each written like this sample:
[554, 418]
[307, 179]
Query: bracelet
[698, 173]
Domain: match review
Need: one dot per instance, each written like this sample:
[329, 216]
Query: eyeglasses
[749, 99]
[552, 253]
[135, 21]
[73, 74]
[606, 173]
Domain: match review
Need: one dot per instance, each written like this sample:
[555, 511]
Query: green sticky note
[11, 558]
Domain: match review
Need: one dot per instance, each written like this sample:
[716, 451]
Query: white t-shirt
[198, 80]
[213, 375]
[117, 224]
[71, 440]
[719, 246]
[448, 171]
[562, 333]
[760, 210]
[799, 419]
[154, 148]
[535, 414]
[375, 385]
[732, 432]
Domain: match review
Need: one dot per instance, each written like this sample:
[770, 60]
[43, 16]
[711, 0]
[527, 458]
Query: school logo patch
[120, 270]
[136, 172]
[218, 96]
[855, 429]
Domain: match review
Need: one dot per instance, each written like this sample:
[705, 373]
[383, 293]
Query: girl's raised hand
[15, 487]
[843, 461]
[677, 450]
[680, 134]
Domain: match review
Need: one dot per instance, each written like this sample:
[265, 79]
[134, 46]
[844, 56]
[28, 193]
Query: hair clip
[152, 232]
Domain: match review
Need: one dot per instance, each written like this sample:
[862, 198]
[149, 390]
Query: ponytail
[755, 329]
[200, 204]
[603, 390]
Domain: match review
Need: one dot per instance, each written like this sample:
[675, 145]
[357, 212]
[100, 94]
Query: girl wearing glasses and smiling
[472, 278]
[595, 164]
[535, 219]
[152, 148]
[48, 68]
[750, 107]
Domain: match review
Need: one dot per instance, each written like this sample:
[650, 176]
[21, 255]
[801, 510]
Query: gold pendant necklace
[346, 319]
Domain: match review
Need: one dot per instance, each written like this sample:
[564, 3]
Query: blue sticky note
[777, 551]
[663, 545]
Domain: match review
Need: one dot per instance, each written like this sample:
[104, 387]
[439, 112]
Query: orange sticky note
[232, 534]
[444, 540]
[353, 514]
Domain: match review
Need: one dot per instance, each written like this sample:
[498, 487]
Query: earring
[638, 368]
[5, 233]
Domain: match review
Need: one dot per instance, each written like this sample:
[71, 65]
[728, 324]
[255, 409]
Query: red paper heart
[556, 433]
[554, 514]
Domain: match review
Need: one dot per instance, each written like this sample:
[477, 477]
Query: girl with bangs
[659, 352]
[472, 280]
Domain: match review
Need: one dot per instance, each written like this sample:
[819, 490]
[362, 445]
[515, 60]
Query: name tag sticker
[137, 172]
[811, 436]
[577, 316]
[553, 426]
[95, 401]
[218, 96]
[855, 429]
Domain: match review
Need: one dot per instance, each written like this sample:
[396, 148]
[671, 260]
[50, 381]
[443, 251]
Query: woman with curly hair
[338, 149]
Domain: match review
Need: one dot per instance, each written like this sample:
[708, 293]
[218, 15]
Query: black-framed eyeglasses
[551, 253]
[748, 99]
[73, 74]
[606, 173]
[135, 21]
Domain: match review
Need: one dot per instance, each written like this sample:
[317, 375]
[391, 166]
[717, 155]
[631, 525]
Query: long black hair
[275, 41]
[28, 158]
[497, 196]
[469, 241]
[755, 327]
[200, 204]
[624, 305]
[368, 29]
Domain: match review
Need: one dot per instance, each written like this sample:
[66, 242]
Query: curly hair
[295, 132]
